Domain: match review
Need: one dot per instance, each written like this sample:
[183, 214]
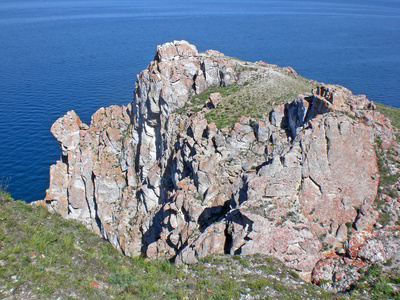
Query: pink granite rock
[157, 179]
[213, 100]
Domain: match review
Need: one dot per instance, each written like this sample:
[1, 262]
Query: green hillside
[43, 256]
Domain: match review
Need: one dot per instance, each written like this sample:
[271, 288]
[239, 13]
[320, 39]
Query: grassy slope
[255, 99]
[43, 256]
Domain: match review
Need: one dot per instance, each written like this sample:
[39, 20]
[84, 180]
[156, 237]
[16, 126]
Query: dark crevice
[170, 244]
[205, 134]
[228, 238]
[130, 113]
[237, 217]
[316, 183]
[189, 132]
[64, 159]
[328, 146]
[96, 218]
[238, 251]
[212, 215]
[266, 163]
[139, 193]
[183, 247]
[243, 193]
[86, 198]
[186, 215]
[203, 68]
[120, 247]
[153, 234]
[194, 83]
[215, 146]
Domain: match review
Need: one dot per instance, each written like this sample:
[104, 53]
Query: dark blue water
[58, 55]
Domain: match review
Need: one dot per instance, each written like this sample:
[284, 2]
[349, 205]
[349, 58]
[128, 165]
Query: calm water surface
[60, 55]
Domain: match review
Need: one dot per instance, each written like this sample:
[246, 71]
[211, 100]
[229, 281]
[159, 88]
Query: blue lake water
[58, 55]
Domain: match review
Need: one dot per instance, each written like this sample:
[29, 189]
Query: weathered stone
[67, 131]
[213, 100]
[175, 50]
[212, 240]
[299, 186]
[337, 273]
[277, 115]
[56, 194]
[366, 218]
[335, 95]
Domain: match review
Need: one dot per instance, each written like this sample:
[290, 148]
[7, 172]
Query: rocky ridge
[299, 181]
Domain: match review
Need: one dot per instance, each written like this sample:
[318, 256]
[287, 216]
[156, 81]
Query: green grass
[393, 114]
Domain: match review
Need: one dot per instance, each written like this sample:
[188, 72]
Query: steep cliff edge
[176, 174]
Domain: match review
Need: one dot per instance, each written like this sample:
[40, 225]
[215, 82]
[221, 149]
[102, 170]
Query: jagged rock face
[95, 182]
[156, 181]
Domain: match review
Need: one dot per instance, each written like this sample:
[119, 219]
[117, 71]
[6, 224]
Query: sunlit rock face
[156, 178]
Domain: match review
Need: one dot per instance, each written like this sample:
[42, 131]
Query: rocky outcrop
[156, 178]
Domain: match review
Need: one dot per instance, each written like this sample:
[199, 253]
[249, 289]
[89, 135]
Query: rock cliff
[217, 155]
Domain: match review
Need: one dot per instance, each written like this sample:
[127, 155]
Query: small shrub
[381, 288]
[259, 284]
[294, 274]
[374, 271]
[122, 278]
[267, 269]
[244, 262]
